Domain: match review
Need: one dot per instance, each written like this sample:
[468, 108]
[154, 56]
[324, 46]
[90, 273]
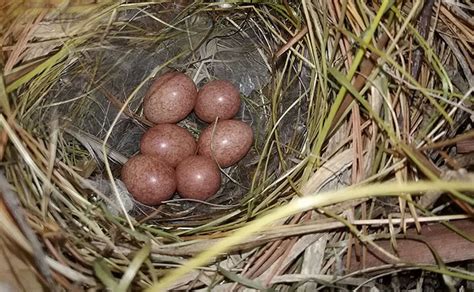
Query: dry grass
[357, 109]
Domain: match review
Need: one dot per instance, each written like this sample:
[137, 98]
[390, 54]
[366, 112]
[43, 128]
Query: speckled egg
[149, 179]
[218, 98]
[198, 177]
[169, 142]
[170, 98]
[231, 140]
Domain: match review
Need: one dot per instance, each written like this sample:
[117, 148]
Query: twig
[290, 43]
[14, 206]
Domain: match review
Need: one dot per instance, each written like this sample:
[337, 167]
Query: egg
[149, 179]
[170, 98]
[169, 142]
[231, 140]
[218, 98]
[198, 177]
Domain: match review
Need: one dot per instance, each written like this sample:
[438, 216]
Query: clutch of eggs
[171, 160]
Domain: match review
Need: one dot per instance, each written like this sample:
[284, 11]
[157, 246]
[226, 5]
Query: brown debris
[450, 246]
[465, 146]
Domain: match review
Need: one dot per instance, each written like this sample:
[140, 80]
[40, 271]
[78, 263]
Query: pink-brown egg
[169, 142]
[218, 98]
[198, 177]
[149, 179]
[231, 140]
[170, 98]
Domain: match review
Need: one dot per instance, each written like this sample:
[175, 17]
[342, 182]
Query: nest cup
[112, 115]
[92, 112]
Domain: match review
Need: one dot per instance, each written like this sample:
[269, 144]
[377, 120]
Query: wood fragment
[465, 146]
[450, 246]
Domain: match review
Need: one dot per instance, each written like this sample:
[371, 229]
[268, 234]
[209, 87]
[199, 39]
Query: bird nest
[362, 118]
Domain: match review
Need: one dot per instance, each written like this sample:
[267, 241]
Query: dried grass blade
[17, 211]
[133, 268]
[104, 274]
[254, 284]
[316, 151]
[301, 205]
